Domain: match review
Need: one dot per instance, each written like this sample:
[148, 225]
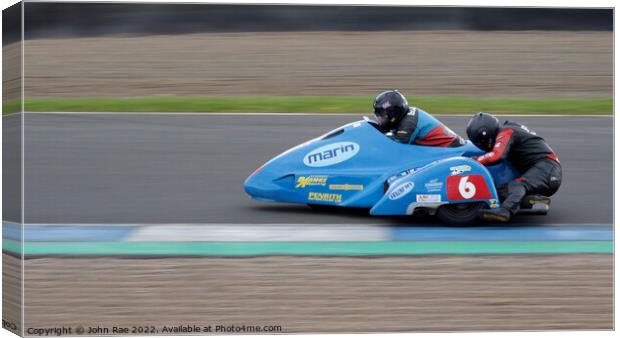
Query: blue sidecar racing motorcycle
[358, 166]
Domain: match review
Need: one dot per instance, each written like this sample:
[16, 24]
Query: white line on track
[246, 233]
[292, 114]
[11, 114]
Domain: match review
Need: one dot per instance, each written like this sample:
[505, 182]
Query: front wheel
[459, 214]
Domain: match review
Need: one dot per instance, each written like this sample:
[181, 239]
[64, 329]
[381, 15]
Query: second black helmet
[482, 130]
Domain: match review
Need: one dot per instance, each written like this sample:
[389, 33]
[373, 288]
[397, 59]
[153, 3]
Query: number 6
[466, 189]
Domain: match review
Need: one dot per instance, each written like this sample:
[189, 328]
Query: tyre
[459, 214]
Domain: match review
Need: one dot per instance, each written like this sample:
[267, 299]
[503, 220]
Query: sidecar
[357, 166]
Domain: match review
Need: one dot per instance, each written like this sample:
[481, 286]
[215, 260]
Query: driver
[411, 125]
[528, 152]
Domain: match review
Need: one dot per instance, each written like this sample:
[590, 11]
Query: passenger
[528, 152]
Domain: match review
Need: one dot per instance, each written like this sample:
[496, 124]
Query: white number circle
[466, 189]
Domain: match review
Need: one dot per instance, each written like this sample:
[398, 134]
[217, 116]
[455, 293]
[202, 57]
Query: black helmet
[390, 107]
[482, 130]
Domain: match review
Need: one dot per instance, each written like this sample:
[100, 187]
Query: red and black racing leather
[519, 145]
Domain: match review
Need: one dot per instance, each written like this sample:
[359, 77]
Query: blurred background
[104, 50]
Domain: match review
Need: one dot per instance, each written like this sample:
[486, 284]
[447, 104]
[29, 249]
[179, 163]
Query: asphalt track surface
[146, 168]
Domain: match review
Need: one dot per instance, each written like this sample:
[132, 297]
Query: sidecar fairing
[358, 166]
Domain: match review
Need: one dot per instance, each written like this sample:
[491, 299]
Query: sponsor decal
[305, 181]
[401, 174]
[426, 198]
[346, 187]
[494, 203]
[467, 187]
[331, 154]
[433, 185]
[458, 170]
[324, 197]
[401, 190]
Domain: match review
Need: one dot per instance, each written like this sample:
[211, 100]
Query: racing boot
[498, 214]
[531, 200]
[509, 207]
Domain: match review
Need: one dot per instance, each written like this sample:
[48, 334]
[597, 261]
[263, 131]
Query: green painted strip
[311, 248]
[12, 246]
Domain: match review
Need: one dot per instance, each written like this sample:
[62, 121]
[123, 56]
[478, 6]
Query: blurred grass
[11, 106]
[315, 104]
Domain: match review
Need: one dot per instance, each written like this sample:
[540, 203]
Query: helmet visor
[381, 116]
[385, 115]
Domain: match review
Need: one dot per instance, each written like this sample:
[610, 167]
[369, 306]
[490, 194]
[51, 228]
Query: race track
[261, 263]
[123, 168]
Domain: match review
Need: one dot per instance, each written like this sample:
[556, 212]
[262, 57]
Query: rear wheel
[459, 214]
